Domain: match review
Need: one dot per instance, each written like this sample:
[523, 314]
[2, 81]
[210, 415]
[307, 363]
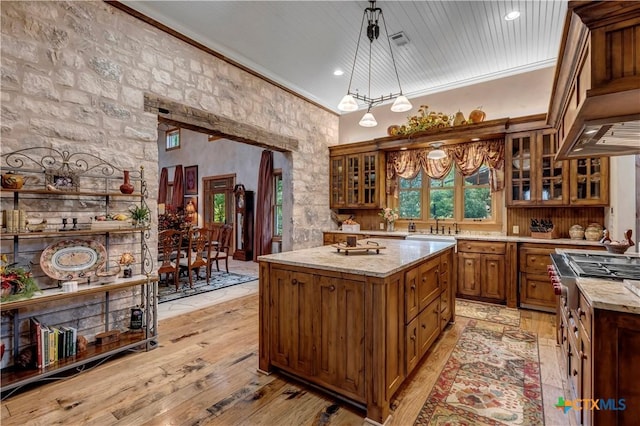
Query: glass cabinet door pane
[337, 181]
[353, 175]
[521, 169]
[369, 176]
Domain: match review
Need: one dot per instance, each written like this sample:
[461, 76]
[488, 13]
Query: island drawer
[482, 247]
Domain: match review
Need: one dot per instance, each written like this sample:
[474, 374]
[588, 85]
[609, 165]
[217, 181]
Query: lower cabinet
[481, 270]
[599, 348]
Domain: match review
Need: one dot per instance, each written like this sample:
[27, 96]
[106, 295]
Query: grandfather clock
[244, 223]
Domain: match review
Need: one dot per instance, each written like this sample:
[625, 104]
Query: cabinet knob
[533, 285]
[413, 286]
[294, 282]
[575, 372]
[332, 288]
[424, 326]
[582, 355]
[412, 337]
[581, 313]
[575, 329]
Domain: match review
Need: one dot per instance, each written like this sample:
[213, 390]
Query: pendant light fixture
[437, 153]
[348, 103]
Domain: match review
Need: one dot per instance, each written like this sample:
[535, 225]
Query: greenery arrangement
[140, 214]
[17, 282]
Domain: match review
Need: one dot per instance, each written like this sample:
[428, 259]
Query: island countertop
[397, 255]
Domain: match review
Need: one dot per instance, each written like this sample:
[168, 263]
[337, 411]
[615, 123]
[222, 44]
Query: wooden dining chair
[169, 242]
[221, 250]
[195, 254]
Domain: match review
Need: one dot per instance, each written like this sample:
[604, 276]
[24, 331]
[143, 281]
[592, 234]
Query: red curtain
[264, 202]
[164, 184]
[177, 199]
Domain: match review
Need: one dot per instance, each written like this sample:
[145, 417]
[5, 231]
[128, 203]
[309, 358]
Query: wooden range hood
[595, 103]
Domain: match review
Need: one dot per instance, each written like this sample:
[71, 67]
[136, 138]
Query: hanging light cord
[355, 58]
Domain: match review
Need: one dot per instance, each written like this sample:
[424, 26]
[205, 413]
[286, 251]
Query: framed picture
[191, 180]
[63, 180]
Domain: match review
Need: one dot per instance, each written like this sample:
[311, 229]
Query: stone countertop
[470, 236]
[609, 294]
[398, 255]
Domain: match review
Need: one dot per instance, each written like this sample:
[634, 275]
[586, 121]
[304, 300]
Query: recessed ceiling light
[590, 132]
[475, 139]
[512, 15]
[338, 72]
[404, 148]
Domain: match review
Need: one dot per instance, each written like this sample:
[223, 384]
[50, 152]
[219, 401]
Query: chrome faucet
[437, 225]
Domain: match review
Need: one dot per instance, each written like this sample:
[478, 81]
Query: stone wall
[74, 74]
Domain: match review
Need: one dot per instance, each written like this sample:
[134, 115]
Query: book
[36, 339]
[45, 345]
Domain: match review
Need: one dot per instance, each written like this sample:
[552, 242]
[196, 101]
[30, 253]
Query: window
[477, 195]
[218, 196]
[454, 197]
[277, 204]
[173, 139]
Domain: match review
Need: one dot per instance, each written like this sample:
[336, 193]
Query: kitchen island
[355, 325]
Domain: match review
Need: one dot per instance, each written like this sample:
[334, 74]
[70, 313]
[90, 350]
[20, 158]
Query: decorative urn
[593, 232]
[576, 232]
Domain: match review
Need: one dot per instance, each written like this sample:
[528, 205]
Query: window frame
[168, 134]
[494, 223]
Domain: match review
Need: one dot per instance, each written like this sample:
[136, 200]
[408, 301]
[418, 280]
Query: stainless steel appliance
[580, 263]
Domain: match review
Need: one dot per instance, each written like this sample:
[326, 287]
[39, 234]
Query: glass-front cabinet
[535, 178]
[354, 180]
[337, 182]
[590, 181]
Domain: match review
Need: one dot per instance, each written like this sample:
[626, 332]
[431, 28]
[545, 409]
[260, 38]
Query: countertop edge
[609, 295]
[446, 246]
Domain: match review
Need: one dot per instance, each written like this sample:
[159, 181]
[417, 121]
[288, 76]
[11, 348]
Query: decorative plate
[71, 259]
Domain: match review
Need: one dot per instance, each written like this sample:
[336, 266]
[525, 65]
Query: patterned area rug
[491, 378]
[167, 292]
[488, 312]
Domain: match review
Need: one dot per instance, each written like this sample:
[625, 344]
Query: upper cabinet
[355, 180]
[534, 178]
[594, 103]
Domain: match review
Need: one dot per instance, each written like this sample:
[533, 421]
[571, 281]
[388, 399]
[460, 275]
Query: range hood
[607, 137]
[595, 102]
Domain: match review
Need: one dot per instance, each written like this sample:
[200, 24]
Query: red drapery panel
[162, 187]
[177, 199]
[264, 203]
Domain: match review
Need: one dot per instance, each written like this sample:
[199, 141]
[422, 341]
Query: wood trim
[190, 41]
[187, 117]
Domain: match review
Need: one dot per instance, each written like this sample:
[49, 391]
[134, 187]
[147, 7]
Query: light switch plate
[516, 229]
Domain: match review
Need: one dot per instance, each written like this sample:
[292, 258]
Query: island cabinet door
[412, 345]
[429, 282]
[412, 300]
[469, 274]
[339, 333]
[292, 320]
[429, 325]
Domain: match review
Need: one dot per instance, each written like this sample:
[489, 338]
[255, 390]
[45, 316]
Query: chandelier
[348, 103]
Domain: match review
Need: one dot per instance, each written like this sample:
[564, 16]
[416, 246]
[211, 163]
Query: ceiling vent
[400, 39]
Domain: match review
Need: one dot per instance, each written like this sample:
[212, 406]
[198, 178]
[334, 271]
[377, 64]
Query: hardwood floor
[204, 372]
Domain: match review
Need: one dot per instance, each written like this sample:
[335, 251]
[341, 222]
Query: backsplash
[562, 218]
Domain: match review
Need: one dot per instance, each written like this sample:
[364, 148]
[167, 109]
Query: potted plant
[140, 215]
[17, 282]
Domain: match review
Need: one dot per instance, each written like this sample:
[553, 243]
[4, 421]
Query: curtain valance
[467, 157]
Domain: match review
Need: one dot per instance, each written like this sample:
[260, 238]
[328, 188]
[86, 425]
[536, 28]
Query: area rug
[488, 312]
[491, 378]
[218, 280]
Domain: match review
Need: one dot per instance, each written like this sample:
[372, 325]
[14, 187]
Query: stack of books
[52, 344]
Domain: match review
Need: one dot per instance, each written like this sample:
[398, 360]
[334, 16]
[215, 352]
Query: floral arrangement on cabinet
[17, 282]
[390, 215]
